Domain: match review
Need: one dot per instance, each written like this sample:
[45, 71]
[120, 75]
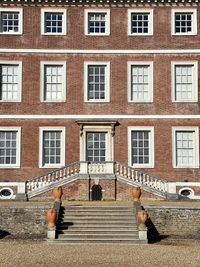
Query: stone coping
[147, 203]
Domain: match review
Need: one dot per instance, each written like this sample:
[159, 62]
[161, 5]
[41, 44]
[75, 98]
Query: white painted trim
[19, 63]
[194, 21]
[100, 51]
[48, 63]
[20, 10]
[187, 188]
[187, 183]
[151, 146]
[64, 20]
[18, 147]
[63, 147]
[9, 189]
[107, 81]
[141, 10]
[85, 116]
[194, 82]
[150, 79]
[107, 24]
[196, 146]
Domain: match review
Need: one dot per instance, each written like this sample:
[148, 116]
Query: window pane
[140, 147]
[53, 82]
[185, 148]
[96, 147]
[51, 147]
[97, 22]
[8, 147]
[96, 82]
[9, 82]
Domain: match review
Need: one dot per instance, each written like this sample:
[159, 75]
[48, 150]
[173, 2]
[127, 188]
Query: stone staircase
[97, 224]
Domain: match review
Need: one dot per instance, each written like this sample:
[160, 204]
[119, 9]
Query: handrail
[141, 177]
[53, 176]
[126, 173]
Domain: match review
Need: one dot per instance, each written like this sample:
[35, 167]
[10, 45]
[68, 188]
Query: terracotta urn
[142, 217]
[57, 193]
[136, 193]
[51, 217]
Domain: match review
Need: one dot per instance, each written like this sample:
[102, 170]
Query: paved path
[38, 254]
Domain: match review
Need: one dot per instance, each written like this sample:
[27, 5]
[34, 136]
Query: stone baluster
[121, 170]
[136, 176]
[147, 179]
[64, 173]
[125, 171]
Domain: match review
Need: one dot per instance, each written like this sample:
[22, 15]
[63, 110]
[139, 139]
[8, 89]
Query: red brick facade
[118, 106]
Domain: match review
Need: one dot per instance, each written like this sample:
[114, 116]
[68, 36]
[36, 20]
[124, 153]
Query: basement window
[6, 193]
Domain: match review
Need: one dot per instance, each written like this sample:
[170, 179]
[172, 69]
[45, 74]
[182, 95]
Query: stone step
[98, 236]
[97, 217]
[97, 228]
[104, 213]
[98, 223]
[97, 231]
[101, 241]
[77, 207]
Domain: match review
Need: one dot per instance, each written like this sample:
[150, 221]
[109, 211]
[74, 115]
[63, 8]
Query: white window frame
[63, 147]
[107, 81]
[194, 21]
[150, 80]
[64, 21]
[151, 147]
[20, 10]
[194, 82]
[196, 146]
[107, 26]
[64, 83]
[19, 63]
[18, 147]
[142, 10]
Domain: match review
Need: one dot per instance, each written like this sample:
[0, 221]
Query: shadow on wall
[152, 233]
[3, 234]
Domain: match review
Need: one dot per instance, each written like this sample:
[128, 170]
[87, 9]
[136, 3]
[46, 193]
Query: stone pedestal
[51, 233]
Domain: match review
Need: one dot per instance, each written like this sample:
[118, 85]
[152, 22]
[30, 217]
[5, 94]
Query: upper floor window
[11, 20]
[10, 81]
[186, 147]
[184, 21]
[10, 147]
[140, 22]
[140, 82]
[97, 22]
[97, 81]
[141, 147]
[53, 81]
[53, 22]
[185, 81]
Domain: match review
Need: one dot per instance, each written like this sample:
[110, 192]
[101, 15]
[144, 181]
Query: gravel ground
[22, 253]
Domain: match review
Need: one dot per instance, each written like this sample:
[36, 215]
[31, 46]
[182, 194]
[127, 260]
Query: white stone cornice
[100, 2]
[100, 52]
[97, 117]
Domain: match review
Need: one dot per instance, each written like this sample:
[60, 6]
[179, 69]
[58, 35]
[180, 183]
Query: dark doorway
[96, 192]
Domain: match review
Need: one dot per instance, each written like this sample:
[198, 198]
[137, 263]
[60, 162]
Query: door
[96, 192]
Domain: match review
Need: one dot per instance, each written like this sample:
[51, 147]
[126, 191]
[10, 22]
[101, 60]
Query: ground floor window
[141, 147]
[10, 147]
[52, 147]
[186, 147]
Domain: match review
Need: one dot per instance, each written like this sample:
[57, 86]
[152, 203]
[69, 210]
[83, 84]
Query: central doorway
[96, 192]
